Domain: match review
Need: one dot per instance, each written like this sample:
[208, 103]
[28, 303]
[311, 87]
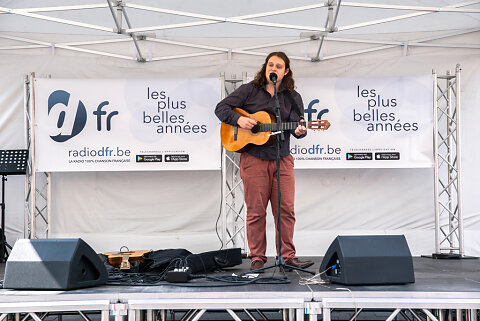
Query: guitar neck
[273, 127]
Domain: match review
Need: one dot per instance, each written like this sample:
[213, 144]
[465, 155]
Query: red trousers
[260, 186]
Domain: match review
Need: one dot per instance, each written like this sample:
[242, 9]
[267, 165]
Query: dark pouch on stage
[160, 259]
[214, 260]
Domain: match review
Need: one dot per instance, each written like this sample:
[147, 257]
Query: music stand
[12, 162]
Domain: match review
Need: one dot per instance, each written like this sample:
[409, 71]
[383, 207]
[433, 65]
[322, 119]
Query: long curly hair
[261, 80]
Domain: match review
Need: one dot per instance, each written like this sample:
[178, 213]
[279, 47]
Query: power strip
[182, 275]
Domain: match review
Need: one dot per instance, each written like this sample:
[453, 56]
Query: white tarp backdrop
[179, 208]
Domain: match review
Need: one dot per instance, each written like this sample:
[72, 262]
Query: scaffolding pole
[37, 185]
[447, 148]
[233, 205]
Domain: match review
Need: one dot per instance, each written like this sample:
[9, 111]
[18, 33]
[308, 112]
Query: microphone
[273, 77]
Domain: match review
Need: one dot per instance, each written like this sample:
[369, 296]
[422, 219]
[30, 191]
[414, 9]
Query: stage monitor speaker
[368, 259]
[53, 264]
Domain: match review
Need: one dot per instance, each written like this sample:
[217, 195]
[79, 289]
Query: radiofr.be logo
[70, 115]
[310, 110]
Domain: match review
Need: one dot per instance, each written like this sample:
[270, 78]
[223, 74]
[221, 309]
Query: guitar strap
[294, 105]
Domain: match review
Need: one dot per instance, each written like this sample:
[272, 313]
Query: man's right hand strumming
[246, 123]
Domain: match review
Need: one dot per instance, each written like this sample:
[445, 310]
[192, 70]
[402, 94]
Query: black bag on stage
[158, 261]
[214, 260]
[205, 262]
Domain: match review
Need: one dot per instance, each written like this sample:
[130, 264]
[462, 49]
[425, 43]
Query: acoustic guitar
[236, 139]
[123, 259]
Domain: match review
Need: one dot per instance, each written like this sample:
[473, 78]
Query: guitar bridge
[235, 133]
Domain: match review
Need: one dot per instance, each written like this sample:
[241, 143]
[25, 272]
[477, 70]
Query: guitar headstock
[318, 124]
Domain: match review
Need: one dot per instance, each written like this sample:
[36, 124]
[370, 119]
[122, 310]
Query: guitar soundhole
[255, 129]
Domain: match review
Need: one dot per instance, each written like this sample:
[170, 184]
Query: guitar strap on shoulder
[294, 104]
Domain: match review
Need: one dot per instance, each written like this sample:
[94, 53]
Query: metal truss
[292, 308]
[251, 309]
[118, 10]
[37, 185]
[38, 311]
[438, 309]
[233, 211]
[448, 201]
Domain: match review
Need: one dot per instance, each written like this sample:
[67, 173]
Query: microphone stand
[279, 261]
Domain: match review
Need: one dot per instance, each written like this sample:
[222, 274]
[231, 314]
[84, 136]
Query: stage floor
[439, 284]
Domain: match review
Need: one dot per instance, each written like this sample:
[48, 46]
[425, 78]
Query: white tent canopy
[191, 28]
[204, 39]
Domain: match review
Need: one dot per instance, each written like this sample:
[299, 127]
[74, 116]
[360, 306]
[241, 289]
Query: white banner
[126, 124]
[375, 123]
